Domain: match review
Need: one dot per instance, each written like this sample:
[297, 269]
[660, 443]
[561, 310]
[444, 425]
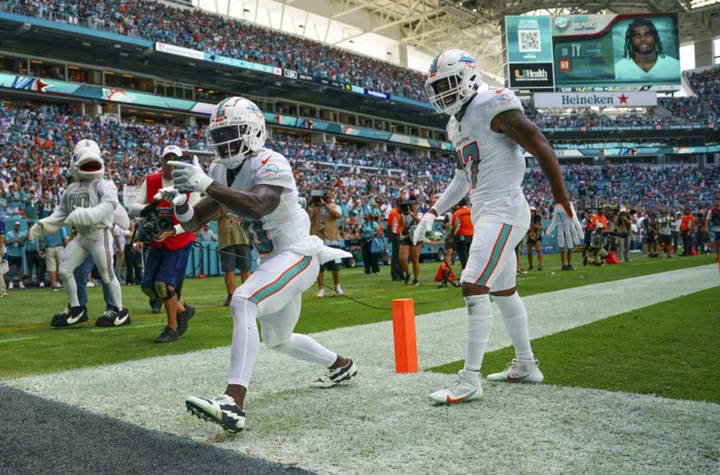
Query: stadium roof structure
[430, 26]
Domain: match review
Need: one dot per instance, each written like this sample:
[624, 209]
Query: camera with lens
[404, 206]
[316, 196]
[152, 223]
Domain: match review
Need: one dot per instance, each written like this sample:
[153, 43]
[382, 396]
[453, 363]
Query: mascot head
[87, 163]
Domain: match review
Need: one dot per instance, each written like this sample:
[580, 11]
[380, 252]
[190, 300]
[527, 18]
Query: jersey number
[258, 235]
[471, 154]
[79, 200]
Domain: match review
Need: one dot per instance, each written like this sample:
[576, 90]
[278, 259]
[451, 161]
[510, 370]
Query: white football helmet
[87, 162]
[452, 80]
[236, 130]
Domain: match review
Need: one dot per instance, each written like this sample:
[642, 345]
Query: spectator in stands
[324, 214]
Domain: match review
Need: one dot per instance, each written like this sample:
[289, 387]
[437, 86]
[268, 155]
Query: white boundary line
[382, 423]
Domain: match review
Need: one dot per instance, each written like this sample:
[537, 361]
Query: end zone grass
[671, 349]
[28, 344]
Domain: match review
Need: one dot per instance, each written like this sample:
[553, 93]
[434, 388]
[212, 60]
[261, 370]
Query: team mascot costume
[88, 204]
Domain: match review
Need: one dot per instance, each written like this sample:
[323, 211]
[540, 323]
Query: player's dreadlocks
[630, 49]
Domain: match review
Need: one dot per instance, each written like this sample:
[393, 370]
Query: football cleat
[333, 377]
[70, 316]
[112, 318]
[221, 410]
[461, 389]
[519, 372]
[183, 318]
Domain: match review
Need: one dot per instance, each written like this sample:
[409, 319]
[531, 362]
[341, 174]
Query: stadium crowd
[201, 30]
[34, 140]
[214, 34]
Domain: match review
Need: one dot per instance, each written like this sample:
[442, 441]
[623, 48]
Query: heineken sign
[595, 99]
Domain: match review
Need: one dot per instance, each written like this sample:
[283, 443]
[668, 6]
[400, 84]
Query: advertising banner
[595, 99]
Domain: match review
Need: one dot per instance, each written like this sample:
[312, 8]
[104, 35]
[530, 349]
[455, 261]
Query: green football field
[636, 341]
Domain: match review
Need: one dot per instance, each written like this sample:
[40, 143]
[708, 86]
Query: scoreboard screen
[593, 53]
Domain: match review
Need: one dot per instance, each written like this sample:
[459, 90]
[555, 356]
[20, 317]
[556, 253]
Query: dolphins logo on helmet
[452, 80]
[236, 131]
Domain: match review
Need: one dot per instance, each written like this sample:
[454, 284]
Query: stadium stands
[35, 139]
[211, 33]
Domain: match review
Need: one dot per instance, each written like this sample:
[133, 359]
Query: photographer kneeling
[170, 247]
[597, 251]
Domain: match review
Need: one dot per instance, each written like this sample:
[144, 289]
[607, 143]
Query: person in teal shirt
[53, 246]
[34, 259]
[368, 230]
[15, 243]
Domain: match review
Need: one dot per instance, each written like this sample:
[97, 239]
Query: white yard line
[382, 423]
[18, 339]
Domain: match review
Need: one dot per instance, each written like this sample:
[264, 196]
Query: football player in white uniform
[257, 185]
[88, 203]
[487, 129]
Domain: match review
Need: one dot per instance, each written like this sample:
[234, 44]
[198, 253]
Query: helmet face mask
[452, 80]
[236, 130]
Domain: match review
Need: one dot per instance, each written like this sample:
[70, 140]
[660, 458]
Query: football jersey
[287, 228]
[88, 194]
[494, 163]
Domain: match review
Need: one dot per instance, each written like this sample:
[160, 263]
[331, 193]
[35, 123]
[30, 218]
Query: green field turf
[28, 345]
[670, 349]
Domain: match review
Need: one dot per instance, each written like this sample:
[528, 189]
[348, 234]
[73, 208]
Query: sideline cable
[386, 309]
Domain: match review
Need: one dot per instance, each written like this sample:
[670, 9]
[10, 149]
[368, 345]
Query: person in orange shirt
[462, 222]
[599, 217]
[687, 223]
[394, 225]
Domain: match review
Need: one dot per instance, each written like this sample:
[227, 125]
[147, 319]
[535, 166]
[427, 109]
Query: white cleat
[321, 294]
[461, 389]
[333, 377]
[519, 372]
[339, 291]
[221, 410]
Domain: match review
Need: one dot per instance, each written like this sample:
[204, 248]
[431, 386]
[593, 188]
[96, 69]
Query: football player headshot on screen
[644, 58]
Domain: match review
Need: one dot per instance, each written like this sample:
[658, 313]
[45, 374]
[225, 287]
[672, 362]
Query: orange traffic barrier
[403, 315]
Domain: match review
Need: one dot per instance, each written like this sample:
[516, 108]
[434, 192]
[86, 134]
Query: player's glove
[423, 227]
[189, 177]
[172, 195]
[569, 230]
[37, 231]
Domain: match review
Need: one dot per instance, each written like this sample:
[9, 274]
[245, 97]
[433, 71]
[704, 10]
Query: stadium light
[702, 3]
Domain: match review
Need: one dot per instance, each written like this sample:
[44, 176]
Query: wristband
[186, 216]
